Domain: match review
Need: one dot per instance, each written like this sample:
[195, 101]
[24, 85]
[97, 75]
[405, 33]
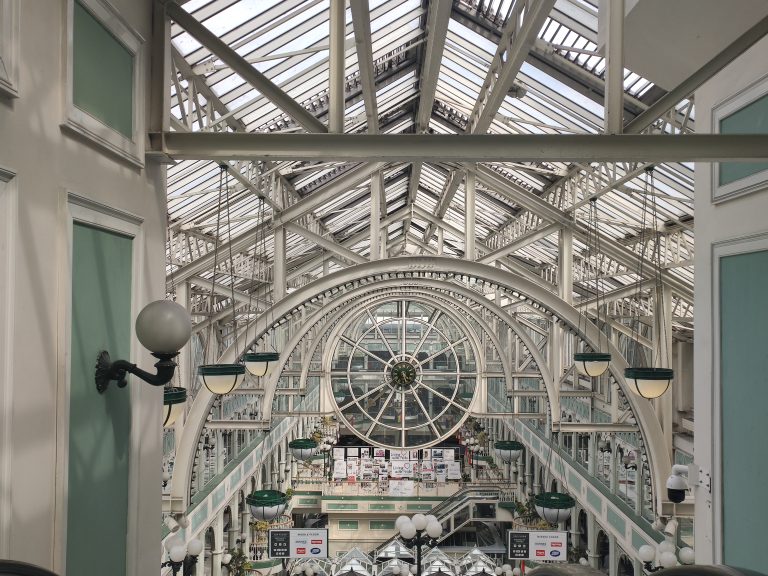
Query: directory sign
[298, 543]
[538, 545]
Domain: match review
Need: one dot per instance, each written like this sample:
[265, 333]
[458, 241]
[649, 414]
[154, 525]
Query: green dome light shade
[554, 507]
[174, 399]
[267, 504]
[509, 450]
[592, 364]
[259, 364]
[649, 382]
[303, 448]
[222, 378]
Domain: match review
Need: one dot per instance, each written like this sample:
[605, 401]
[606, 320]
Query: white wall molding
[8, 223]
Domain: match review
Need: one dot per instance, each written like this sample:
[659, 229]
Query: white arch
[658, 457]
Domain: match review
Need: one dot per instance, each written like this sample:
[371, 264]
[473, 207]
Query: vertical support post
[469, 214]
[218, 544]
[278, 272]
[611, 13]
[337, 34]
[613, 556]
[375, 233]
[592, 555]
[440, 241]
[160, 94]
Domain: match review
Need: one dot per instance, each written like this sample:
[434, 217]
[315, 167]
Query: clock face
[403, 374]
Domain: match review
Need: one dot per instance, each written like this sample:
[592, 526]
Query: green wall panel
[381, 524]
[743, 397]
[102, 73]
[348, 525]
[99, 424]
[752, 119]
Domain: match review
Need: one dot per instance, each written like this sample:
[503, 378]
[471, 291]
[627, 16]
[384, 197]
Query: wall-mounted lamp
[664, 555]
[162, 327]
[181, 556]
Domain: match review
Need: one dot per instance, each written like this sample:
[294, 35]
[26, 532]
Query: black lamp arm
[108, 371]
[649, 567]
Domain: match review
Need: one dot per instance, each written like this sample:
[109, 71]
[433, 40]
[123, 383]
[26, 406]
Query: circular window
[403, 374]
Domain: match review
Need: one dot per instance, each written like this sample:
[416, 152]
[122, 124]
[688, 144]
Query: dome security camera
[676, 484]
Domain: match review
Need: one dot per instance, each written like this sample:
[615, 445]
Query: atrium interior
[431, 287]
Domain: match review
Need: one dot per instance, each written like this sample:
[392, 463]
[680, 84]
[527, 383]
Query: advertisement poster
[427, 471]
[441, 471]
[401, 487]
[426, 454]
[338, 453]
[339, 470]
[399, 455]
[453, 470]
[353, 452]
[365, 452]
[298, 543]
[449, 454]
[402, 469]
[379, 454]
[414, 455]
[366, 470]
[538, 545]
[352, 469]
[437, 453]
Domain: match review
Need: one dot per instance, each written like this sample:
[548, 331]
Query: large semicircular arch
[658, 457]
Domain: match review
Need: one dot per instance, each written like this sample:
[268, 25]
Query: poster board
[538, 545]
[298, 543]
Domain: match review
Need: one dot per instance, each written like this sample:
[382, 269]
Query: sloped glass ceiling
[558, 90]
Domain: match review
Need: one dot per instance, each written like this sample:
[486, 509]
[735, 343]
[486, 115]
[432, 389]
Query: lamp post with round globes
[664, 555]
[182, 556]
[418, 531]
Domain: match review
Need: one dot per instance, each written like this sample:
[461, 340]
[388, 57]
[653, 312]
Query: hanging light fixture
[267, 504]
[649, 381]
[222, 378]
[595, 363]
[303, 448]
[174, 398]
[509, 450]
[554, 507]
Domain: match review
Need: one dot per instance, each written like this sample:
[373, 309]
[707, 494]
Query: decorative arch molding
[363, 278]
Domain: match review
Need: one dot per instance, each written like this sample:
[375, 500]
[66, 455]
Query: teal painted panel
[342, 506]
[99, 424]
[743, 396]
[574, 480]
[309, 501]
[199, 516]
[637, 540]
[235, 477]
[381, 525]
[594, 499]
[419, 507]
[102, 73]
[616, 521]
[381, 506]
[218, 496]
[752, 119]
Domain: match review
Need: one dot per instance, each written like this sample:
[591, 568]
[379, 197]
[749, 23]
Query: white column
[218, 542]
[440, 241]
[611, 14]
[336, 54]
[613, 556]
[278, 270]
[469, 216]
[375, 233]
[592, 540]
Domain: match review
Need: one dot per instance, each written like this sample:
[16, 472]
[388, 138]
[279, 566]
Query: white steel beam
[345, 253]
[517, 37]
[465, 148]
[337, 32]
[243, 68]
[469, 214]
[438, 17]
[612, 17]
[361, 22]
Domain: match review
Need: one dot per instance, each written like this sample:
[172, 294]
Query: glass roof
[558, 90]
